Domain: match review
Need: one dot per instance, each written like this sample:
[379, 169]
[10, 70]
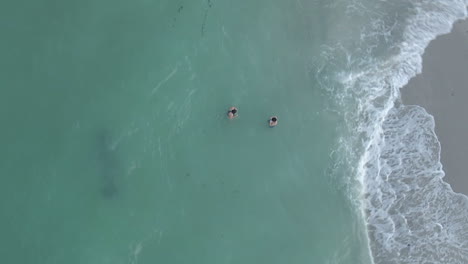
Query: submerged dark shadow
[107, 164]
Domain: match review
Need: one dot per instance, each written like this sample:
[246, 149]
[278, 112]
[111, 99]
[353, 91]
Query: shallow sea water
[116, 147]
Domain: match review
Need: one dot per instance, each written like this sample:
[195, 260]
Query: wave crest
[391, 149]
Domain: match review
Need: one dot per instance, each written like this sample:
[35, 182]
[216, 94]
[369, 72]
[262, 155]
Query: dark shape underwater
[107, 165]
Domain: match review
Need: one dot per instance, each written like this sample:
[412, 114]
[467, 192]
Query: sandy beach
[442, 89]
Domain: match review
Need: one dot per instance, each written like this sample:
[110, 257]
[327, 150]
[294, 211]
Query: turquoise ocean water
[116, 147]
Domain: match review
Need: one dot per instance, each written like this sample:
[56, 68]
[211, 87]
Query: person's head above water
[273, 121]
[232, 112]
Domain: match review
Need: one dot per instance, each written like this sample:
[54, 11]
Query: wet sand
[442, 89]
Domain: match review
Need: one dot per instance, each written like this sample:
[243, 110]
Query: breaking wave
[391, 150]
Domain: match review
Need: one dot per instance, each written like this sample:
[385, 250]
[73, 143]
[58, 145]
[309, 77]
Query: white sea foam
[411, 214]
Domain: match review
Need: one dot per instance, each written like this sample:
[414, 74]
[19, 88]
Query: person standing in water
[232, 112]
[273, 121]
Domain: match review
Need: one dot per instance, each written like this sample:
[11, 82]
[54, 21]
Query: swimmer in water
[232, 112]
[273, 121]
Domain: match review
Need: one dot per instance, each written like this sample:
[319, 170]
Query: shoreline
[442, 89]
